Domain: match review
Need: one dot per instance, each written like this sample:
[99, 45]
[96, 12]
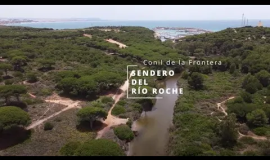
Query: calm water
[153, 127]
[207, 25]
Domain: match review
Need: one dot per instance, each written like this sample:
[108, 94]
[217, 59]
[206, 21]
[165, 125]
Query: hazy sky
[137, 12]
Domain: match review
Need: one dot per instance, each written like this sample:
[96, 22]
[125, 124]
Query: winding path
[112, 120]
[221, 107]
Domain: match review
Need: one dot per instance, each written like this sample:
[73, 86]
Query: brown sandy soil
[3, 59]
[55, 99]
[26, 83]
[252, 135]
[121, 45]
[192, 57]
[112, 120]
[222, 107]
[31, 95]
[43, 110]
[87, 35]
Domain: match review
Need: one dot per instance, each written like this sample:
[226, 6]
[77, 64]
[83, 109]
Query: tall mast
[242, 20]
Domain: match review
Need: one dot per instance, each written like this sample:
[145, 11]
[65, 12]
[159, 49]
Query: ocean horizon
[211, 25]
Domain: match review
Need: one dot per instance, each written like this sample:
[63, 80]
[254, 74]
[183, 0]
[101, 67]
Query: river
[153, 127]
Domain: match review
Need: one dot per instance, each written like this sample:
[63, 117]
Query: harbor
[176, 33]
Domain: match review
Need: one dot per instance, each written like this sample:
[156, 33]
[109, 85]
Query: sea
[210, 25]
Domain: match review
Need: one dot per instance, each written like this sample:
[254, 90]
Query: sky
[137, 12]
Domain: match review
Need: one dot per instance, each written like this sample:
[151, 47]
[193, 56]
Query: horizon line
[99, 19]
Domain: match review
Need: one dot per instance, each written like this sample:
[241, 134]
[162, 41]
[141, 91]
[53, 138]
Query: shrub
[257, 118]
[196, 80]
[30, 101]
[137, 107]
[45, 92]
[251, 88]
[9, 82]
[251, 84]
[99, 147]
[185, 75]
[129, 123]
[227, 152]
[251, 153]
[118, 110]
[227, 131]
[48, 126]
[122, 103]
[261, 131]
[31, 77]
[123, 132]
[232, 68]
[106, 100]
[12, 116]
[264, 77]
[244, 129]
[248, 140]
[191, 150]
[246, 97]
[17, 74]
[238, 100]
[97, 104]
[90, 114]
[70, 148]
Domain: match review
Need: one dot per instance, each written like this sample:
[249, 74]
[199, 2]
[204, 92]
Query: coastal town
[176, 33]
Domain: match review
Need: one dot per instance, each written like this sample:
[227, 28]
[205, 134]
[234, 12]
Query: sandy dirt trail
[221, 107]
[58, 100]
[121, 45]
[112, 120]
[87, 35]
[31, 95]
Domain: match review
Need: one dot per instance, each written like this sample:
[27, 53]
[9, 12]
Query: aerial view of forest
[62, 92]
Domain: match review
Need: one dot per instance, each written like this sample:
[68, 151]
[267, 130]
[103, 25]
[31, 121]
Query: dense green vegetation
[90, 114]
[13, 116]
[70, 148]
[99, 147]
[37, 63]
[44, 61]
[123, 132]
[202, 129]
[77, 64]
